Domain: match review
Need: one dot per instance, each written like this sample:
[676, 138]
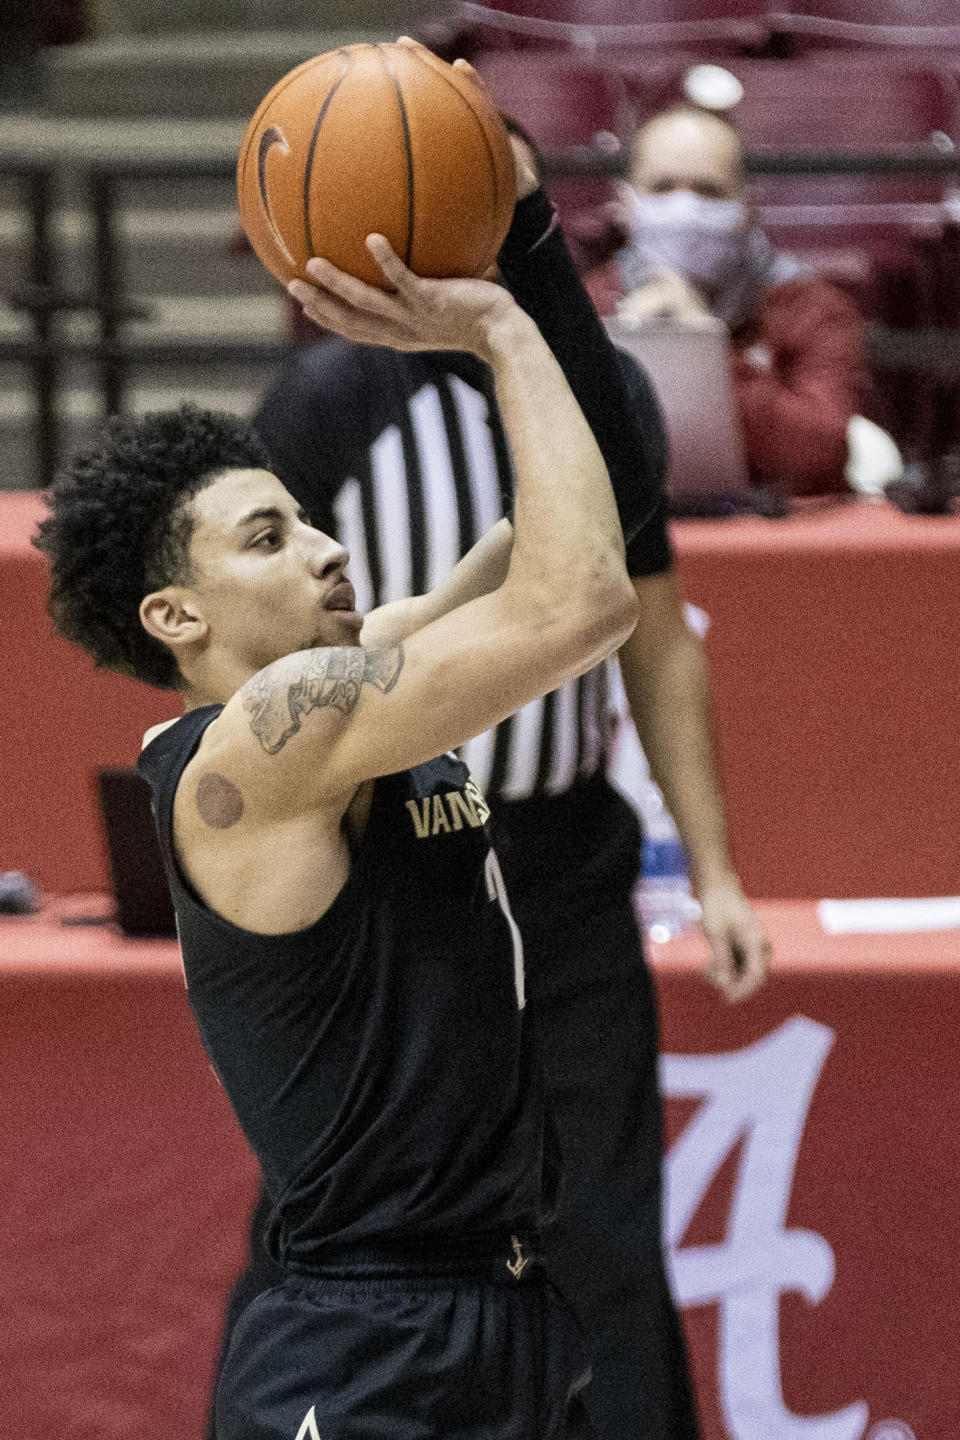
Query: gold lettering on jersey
[440, 814]
[440, 821]
[420, 814]
[476, 795]
[463, 807]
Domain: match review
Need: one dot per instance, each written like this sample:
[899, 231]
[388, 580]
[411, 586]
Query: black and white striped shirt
[404, 459]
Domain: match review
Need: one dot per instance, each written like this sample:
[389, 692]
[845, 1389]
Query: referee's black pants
[595, 1002]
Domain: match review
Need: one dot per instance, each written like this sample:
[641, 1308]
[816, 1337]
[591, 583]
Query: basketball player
[402, 456]
[351, 959]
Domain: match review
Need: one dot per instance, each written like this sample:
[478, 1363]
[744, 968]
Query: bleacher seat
[562, 99]
[833, 101]
[877, 236]
[895, 24]
[929, 28]
[599, 25]
[881, 237]
[846, 102]
[564, 102]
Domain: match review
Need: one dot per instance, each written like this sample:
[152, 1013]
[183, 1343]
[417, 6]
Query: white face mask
[706, 241]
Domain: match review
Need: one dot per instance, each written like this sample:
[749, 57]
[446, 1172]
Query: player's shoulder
[278, 738]
[155, 730]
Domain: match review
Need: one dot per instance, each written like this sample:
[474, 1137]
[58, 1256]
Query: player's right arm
[314, 725]
[482, 569]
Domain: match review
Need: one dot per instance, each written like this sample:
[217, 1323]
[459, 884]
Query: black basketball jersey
[379, 1061]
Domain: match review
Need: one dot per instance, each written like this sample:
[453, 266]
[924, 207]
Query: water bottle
[664, 899]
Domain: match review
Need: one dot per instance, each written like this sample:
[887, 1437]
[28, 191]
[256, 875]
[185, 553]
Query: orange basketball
[376, 138]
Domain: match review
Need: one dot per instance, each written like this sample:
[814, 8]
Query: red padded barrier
[832, 652]
[60, 719]
[811, 1131]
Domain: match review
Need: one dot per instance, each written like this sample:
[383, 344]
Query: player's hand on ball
[416, 314]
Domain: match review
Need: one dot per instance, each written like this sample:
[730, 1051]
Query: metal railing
[114, 353]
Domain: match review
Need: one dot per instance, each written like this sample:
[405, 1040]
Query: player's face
[266, 581]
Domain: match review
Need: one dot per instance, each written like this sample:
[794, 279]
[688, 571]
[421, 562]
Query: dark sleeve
[649, 552]
[543, 279]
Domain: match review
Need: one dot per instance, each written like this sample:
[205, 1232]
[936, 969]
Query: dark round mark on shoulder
[219, 802]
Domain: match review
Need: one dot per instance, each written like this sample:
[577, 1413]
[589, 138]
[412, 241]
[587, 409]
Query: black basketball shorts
[476, 1353]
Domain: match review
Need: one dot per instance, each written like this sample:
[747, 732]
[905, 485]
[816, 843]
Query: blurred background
[122, 282]
[812, 1134]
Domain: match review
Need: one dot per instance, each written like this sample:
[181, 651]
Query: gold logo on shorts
[518, 1264]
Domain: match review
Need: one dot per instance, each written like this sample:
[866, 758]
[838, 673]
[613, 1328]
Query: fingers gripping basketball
[376, 138]
[410, 312]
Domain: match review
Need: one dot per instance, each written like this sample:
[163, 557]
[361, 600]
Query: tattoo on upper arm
[322, 677]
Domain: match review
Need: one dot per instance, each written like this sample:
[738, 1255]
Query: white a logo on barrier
[308, 1430]
[759, 1096]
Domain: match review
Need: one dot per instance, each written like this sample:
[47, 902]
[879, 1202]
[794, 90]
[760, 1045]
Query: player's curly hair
[120, 527]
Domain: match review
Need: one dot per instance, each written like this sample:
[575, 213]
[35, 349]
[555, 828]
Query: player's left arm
[665, 677]
[538, 270]
[482, 570]
[542, 277]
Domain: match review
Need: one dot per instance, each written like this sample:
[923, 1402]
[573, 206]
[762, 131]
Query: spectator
[691, 249]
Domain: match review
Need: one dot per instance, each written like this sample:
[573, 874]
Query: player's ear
[172, 616]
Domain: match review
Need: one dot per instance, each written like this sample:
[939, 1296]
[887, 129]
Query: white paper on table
[889, 917]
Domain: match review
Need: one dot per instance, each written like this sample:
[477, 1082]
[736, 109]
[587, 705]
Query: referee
[403, 457]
